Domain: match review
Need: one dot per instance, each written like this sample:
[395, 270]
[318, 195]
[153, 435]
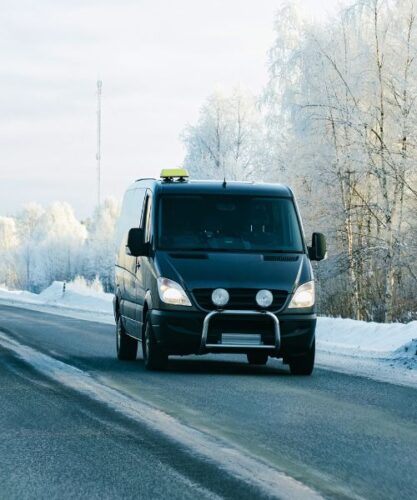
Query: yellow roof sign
[170, 173]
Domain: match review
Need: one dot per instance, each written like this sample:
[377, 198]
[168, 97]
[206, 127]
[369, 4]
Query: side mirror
[136, 246]
[318, 249]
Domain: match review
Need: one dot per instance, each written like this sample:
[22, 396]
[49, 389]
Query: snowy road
[60, 436]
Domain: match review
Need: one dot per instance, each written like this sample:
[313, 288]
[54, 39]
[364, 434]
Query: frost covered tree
[41, 245]
[227, 140]
[57, 245]
[26, 223]
[348, 103]
[284, 65]
[9, 243]
[101, 248]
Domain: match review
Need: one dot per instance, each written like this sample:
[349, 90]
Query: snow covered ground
[386, 352]
[80, 300]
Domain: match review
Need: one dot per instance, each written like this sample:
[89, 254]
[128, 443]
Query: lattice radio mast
[98, 154]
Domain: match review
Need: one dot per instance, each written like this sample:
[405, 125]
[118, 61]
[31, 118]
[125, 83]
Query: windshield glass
[228, 223]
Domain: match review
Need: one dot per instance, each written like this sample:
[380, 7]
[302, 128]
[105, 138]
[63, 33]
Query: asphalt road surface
[342, 436]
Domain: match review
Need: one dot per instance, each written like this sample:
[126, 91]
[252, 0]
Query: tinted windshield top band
[205, 196]
[225, 250]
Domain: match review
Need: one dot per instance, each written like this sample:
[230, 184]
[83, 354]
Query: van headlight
[303, 297]
[171, 292]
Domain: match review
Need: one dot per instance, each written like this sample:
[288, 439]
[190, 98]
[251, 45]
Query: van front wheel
[153, 356]
[126, 347]
[303, 365]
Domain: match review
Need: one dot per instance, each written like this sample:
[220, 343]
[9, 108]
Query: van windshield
[228, 223]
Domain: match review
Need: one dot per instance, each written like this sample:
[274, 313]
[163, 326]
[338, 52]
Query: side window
[131, 212]
[130, 215]
[147, 219]
[122, 222]
[134, 208]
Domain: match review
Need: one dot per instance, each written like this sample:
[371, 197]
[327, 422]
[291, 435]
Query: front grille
[240, 298]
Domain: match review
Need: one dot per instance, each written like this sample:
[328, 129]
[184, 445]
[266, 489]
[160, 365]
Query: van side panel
[131, 215]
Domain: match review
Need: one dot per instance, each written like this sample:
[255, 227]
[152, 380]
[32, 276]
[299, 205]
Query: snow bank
[386, 352]
[360, 338]
[77, 295]
[80, 300]
[18, 295]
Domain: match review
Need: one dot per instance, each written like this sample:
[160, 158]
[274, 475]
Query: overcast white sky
[158, 59]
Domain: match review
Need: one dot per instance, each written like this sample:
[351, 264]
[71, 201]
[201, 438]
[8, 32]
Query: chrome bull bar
[277, 335]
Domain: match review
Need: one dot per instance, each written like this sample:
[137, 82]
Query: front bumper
[186, 332]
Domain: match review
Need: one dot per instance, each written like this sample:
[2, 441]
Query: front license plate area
[241, 339]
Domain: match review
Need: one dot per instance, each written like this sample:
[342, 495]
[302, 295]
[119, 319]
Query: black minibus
[214, 267]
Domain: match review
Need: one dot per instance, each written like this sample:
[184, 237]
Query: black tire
[126, 347]
[303, 365]
[257, 358]
[154, 357]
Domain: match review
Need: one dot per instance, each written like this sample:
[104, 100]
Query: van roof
[215, 187]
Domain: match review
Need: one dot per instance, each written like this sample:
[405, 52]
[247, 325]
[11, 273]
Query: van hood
[234, 270]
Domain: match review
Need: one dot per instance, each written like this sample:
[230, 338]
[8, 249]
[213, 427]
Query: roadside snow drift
[352, 337]
[79, 300]
[386, 352]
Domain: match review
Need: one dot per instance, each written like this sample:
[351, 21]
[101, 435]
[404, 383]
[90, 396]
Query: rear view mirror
[318, 249]
[136, 246]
